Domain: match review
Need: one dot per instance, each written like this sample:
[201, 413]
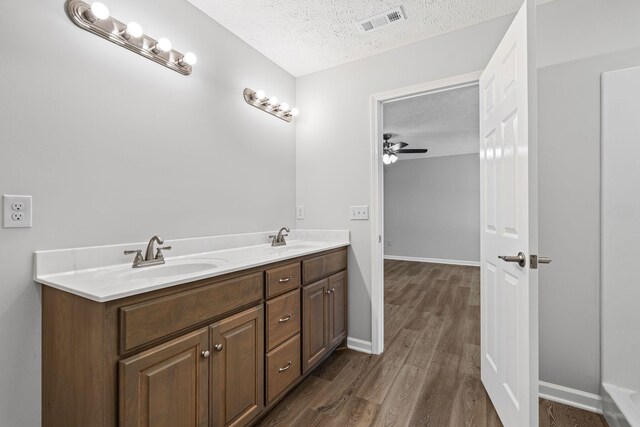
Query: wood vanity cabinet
[325, 318]
[237, 368]
[213, 353]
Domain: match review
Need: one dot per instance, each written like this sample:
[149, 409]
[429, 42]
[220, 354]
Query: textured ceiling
[304, 36]
[447, 123]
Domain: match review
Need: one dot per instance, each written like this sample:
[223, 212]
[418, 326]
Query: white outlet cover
[300, 212]
[359, 213]
[16, 207]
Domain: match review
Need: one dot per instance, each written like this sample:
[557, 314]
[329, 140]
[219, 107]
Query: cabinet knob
[328, 291]
[206, 354]
[218, 347]
[332, 289]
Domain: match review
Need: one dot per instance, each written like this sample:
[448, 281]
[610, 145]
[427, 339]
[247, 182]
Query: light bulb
[189, 58]
[162, 45]
[134, 30]
[284, 107]
[273, 101]
[260, 95]
[393, 158]
[99, 10]
[295, 111]
[386, 159]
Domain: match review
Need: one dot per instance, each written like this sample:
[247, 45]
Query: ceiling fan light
[386, 159]
[393, 158]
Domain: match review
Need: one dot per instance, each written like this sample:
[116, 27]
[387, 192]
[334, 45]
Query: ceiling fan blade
[413, 150]
[395, 146]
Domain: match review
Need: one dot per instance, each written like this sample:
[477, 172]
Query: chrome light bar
[95, 19]
[270, 105]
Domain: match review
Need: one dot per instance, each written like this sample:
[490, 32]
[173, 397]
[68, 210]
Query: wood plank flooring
[429, 374]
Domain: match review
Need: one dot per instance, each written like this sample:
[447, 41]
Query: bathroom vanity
[216, 351]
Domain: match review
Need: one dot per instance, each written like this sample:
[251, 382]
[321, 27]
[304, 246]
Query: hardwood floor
[429, 374]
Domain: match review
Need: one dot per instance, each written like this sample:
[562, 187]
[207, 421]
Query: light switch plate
[358, 213]
[16, 211]
[300, 212]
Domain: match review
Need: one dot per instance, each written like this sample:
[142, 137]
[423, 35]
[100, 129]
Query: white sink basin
[171, 269]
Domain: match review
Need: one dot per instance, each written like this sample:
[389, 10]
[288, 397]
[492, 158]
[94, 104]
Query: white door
[509, 299]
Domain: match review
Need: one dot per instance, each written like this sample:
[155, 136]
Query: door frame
[377, 188]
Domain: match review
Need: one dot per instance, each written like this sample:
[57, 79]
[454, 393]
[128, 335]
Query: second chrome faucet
[278, 240]
[149, 259]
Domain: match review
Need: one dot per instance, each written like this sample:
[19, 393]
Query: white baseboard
[570, 396]
[359, 345]
[433, 260]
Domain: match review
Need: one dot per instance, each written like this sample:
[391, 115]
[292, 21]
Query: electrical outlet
[16, 211]
[359, 213]
[300, 212]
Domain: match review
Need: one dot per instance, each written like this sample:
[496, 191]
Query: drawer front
[283, 318]
[283, 367]
[147, 321]
[324, 265]
[283, 279]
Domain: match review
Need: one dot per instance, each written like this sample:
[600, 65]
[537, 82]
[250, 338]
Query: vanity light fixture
[96, 19]
[270, 104]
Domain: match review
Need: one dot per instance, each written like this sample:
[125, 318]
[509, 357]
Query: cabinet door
[337, 308]
[167, 385]
[315, 312]
[237, 368]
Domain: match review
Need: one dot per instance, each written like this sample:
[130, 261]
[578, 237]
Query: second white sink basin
[171, 268]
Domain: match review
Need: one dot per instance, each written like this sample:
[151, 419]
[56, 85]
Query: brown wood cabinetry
[168, 385]
[237, 368]
[324, 312]
[212, 353]
[338, 308]
[315, 309]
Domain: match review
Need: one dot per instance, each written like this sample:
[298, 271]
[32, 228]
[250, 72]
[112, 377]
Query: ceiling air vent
[381, 19]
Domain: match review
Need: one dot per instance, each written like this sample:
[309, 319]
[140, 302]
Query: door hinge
[379, 238]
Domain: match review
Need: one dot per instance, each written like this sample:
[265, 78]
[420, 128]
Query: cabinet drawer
[283, 318]
[324, 265]
[283, 367]
[283, 279]
[147, 321]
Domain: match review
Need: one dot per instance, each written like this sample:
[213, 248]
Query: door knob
[521, 259]
[218, 347]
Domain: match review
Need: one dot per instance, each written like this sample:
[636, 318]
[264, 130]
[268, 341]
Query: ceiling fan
[392, 149]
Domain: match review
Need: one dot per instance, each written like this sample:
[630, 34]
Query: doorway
[378, 102]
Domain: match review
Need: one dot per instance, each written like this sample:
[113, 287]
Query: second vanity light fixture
[95, 19]
[270, 104]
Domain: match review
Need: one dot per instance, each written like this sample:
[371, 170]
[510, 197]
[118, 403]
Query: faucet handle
[159, 253]
[138, 253]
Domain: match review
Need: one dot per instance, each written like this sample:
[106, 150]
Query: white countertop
[104, 273]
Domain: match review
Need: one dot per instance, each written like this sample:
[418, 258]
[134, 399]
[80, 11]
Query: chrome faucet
[149, 258]
[278, 240]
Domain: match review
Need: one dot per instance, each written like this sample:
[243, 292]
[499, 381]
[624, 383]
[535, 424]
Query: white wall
[569, 170]
[431, 208]
[575, 48]
[115, 148]
[332, 154]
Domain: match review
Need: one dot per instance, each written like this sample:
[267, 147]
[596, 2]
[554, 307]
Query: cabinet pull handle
[286, 318]
[218, 347]
[205, 354]
[286, 367]
[285, 280]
